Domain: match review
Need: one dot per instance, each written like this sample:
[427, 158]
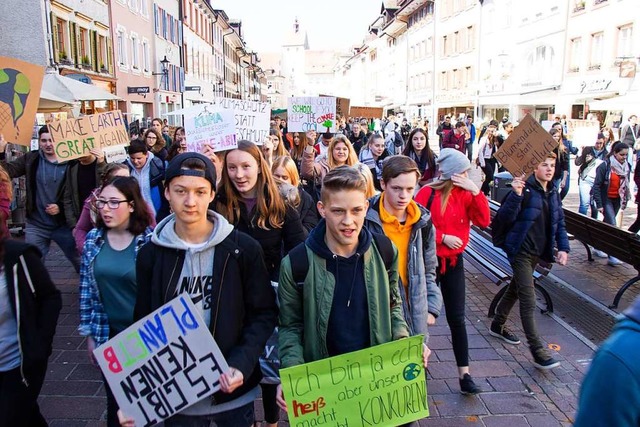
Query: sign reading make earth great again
[383, 385]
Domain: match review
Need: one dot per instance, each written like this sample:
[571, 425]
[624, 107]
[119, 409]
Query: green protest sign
[383, 385]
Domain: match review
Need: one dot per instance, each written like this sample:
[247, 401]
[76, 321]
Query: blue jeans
[41, 238]
[586, 200]
[239, 417]
[611, 208]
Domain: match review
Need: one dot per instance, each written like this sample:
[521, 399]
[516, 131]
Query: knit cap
[451, 161]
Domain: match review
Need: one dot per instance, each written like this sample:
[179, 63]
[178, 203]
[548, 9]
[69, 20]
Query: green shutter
[73, 37]
[109, 63]
[56, 42]
[94, 51]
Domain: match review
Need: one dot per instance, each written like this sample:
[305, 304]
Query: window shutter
[155, 19]
[94, 50]
[56, 42]
[73, 37]
[109, 63]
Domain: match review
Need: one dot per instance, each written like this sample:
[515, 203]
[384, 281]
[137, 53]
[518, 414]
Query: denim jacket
[424, 294]
[93, 319]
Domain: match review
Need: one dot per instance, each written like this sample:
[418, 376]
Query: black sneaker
[467, 386]
[543, 360]
[504, 334]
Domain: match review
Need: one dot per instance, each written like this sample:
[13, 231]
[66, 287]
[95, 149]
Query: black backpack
[300, 262]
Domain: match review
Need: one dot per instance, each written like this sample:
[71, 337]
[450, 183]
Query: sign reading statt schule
[527, 147]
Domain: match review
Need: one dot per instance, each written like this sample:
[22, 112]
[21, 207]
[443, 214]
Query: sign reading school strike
[311, 113]
[252, 118]
[75, 137]
[383, 385]
[526, 147]
[163, 363]
[210, 126]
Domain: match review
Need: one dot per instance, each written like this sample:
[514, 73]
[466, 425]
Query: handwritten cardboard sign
[527, 147]
[117, 154]
[211, 126]
[383, 385]
[366, 112]
[342, 106]
[311, 113]
[583, 132]
[20, 84]
[73, 138]
[252, 118]
[163, 363]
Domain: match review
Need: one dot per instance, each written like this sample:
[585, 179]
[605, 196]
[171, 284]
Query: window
[121, 47]
[539, 64]
[135, 54]
[469, 42]
[430, 46]
[146, 58]
[468, 78]
[84, 45]
[595, 58]
[456, 43]
[61, 36]
[625, 42]
[445, 46]
[144, 8]
[575, 53]
[102, 52]
[443, 80]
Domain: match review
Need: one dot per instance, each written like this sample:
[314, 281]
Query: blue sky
[330, 23]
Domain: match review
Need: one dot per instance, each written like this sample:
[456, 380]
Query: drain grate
[585, 316]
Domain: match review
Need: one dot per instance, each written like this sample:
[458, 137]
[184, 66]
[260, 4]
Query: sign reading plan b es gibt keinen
[383, 385]
[163, 363]
[311, 113]
[527, 147]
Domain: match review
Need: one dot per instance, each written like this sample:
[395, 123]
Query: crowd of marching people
[323, 243]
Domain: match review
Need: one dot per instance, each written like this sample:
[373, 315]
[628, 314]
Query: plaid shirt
[93, 319]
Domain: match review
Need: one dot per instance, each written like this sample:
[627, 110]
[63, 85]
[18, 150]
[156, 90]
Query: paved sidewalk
[516, 394]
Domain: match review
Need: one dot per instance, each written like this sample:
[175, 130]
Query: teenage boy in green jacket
[349, 299]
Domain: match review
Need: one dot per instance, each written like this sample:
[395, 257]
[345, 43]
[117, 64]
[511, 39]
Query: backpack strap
[430, 201]
[385, 247]
[299, 264]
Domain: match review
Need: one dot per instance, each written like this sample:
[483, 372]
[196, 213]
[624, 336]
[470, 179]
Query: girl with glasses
[108, 270]
[155, 143]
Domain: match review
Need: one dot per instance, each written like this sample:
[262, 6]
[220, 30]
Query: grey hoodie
[142, 176]
[196, 278]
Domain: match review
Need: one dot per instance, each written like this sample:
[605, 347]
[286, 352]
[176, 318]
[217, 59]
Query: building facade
[132, 29]
[167, 68]
[82, 47]
[198, 59]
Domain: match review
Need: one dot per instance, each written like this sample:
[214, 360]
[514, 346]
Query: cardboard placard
[582, 133]
[210, 126]
[311, 113]
[163, 363]
[73, 138]
[342, 106]
[20, 84]
[252, 118]
[526, 147]
[378, 386]
[366, 112]
[117, 154]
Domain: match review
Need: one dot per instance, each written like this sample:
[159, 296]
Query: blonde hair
[445, 188]
[289, 165]
[352, 158]
[5, 181]
[368, 177]
[269, 205]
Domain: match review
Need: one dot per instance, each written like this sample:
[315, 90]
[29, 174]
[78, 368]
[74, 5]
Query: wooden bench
[609, 239]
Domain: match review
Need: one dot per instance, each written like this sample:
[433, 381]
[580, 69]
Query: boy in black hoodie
[196, 250]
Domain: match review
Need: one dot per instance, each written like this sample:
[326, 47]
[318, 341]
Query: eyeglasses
[113, 204]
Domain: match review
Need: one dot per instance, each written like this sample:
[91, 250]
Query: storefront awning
[70, 90]
[622, 102]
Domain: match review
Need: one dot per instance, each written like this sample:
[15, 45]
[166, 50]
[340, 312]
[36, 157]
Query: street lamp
[165, 68]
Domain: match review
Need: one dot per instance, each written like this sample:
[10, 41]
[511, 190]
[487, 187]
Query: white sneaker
[614, 262]
[599, 253]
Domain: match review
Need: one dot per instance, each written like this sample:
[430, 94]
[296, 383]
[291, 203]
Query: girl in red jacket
[455, 202]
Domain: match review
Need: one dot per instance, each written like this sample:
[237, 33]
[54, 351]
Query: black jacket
[27, 166]
[307, 211]
[273, 240]
[39, 302]
[71, 201]
[247, 315]
[358, 141]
